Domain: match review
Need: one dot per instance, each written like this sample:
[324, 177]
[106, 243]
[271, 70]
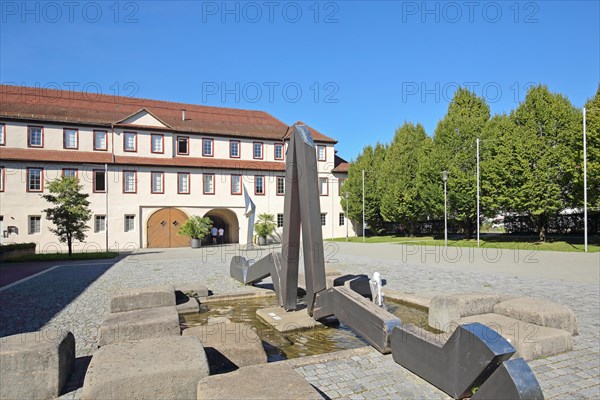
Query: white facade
[131, 198]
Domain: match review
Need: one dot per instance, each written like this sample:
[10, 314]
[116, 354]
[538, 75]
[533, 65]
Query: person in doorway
[221, 235]
[214, 234]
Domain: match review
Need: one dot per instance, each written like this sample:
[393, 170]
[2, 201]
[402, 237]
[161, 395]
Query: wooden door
[163, 226]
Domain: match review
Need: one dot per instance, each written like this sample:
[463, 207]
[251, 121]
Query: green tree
[70, 213]
[405, 185]
[196, 227]
[593, 150]
[532, 168]
[370, 160]
[455, 151]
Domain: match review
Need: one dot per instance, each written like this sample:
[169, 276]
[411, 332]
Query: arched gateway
[225, 218]
[163, 226]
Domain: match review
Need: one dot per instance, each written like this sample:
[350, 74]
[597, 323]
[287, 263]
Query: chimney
[183, 115]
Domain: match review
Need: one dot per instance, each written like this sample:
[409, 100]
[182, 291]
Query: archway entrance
[226, 219]
[163, 226]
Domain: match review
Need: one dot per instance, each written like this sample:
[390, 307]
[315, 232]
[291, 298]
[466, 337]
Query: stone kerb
[35, 365]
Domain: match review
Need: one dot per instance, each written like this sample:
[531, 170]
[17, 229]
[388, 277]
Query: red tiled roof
[96, 109]
[317, 136]
[69, 156]
[340, 165]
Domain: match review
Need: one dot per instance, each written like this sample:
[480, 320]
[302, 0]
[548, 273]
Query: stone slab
[192, 290]
[531, 341]
[540, 312]
[287, 321]
[188, 305]
[444, 309]
[139, 324]
[267, 381]
[159, 368]
[229, 345]
[141, 298]
[35, 365]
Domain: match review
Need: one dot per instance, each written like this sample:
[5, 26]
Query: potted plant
[196, 228]
[265, 227]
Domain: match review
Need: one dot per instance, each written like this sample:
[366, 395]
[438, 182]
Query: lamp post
[585, 221]
[478, 191]
[445, 178]
[346, 216]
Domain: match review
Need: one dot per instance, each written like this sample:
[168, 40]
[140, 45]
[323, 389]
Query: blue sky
[354, 70]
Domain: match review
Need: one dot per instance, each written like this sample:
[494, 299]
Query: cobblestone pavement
[78, 297]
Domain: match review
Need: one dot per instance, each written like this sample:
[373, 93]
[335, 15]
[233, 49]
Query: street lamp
[445, 178]
[346, 216]
[363, 204]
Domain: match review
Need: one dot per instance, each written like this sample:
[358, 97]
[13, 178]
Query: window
[71, 138]
[36, 136]
[69, 172]
[99, 181]
[183, 145]
[129, 181]
[207, 147]
[234, 149]
[129, 223]
[342, 220]
[323, 219]
[158, 180]
[35, 179]
[340, 186]
[158, 142]
[2, 134]
[259, 185]
[130, 141]
[2, 175]
[280, 220]
[100, 140]
[236, 184]
[257, 152]
[35, 224]
[279, 151]
[321, 154]
[99, 223]
[183, 182]
[208, 181]
[324, 186]
[280, 185]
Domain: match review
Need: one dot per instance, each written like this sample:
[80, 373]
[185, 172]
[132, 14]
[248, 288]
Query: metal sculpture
[249, 214]
[473, 362]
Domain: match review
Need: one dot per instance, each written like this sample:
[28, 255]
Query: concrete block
[444, 309]
[192, 290]
[287, 321]
[35, 365]
[139, 324]
[141, 298]
[531, 341]
[540, 312]
[159, 368]
[229, 345]
[267, 381]
[187, 305]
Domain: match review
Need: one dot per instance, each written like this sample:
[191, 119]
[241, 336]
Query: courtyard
[76, 297]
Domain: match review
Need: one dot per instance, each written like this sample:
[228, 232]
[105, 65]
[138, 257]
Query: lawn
[494, 241]
[63, 257]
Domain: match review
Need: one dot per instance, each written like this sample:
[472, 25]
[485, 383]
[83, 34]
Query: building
[147, 166]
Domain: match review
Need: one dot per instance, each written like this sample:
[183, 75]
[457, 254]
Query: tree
[370, 160]
[196, 227]
[532, 169]
[455, 151]
[405, 185]
[71, 213]
[593, 150]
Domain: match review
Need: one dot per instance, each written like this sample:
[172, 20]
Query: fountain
[475, 362]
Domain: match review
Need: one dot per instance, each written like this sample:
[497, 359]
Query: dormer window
[183, 145]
